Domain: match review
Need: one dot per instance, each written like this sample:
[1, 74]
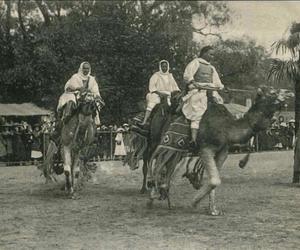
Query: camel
[74, 144]
[76, 137]
[218, 130]
[144, 142]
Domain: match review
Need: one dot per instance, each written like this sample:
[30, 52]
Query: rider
[200, 76]
[82, 80]
[161, 82]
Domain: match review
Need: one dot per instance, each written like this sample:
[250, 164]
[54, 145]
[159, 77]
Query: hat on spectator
[283, 124]
[292, 121]
[103, 127]
[120, 130]
[125, 125]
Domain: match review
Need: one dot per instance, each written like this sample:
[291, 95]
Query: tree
[290, 69]
[123, 40]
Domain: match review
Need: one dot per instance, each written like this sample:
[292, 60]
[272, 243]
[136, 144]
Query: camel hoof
[216, 212]
[75, 196]
[194, 205]
[143, 190]
[150, 204]
[77, 174]
[154, 195]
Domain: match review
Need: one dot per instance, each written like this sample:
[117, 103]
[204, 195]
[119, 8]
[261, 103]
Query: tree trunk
[10, 51]
[44, 10]
[22, 26]
[296, 174]
[8, 19]
[58, 9]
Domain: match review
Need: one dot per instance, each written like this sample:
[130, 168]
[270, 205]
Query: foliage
[123, 41]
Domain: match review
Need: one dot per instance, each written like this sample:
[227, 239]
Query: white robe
[120, 147]
[196, 100]
[76, 83]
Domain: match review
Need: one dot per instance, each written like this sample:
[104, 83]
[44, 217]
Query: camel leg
[214, 180]
[145, 171]
[67, 168]
[75, 170]
[220, 159]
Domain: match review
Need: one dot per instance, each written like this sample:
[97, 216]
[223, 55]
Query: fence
[17, 149]
[106, 146]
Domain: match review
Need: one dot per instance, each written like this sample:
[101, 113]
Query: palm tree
[290, 69]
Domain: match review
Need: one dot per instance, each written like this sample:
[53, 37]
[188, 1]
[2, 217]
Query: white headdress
[80, 71]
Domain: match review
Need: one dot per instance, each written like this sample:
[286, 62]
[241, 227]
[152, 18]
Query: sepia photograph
[146, 124]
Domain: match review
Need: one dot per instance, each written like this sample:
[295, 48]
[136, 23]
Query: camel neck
[246, 127]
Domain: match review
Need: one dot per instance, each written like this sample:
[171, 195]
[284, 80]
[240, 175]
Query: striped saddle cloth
[177, 136]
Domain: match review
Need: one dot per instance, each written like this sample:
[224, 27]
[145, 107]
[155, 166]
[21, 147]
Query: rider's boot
[193, 141]
[147, 115]
[55, 135]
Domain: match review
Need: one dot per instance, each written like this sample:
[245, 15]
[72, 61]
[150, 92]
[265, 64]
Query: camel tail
[243, 162]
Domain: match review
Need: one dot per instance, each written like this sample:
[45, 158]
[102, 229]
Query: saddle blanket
[177, 135]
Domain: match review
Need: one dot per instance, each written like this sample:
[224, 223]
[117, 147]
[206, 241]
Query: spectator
[126, 137]
[119, 144]
[291, 134]
[27, 140]
[19, 152]
[104, 143]
[283, 135]
[3, 152]
[36, 146]
[7, 136]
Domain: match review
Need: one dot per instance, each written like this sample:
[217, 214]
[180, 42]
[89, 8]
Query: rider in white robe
[80, 80]
[162, 82]
[199, 76]
[67, 103]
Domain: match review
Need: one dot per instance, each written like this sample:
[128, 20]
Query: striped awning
[22, 109]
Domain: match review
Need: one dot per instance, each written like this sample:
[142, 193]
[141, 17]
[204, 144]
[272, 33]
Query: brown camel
[218, 130]
[76, 136]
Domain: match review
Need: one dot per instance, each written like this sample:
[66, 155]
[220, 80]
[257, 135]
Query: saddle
[163, 107]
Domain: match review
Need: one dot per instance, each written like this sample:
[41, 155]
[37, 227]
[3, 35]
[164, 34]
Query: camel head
[273, 99]
[267, 102]
[86, 103]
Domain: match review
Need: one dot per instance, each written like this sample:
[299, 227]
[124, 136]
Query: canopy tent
[236, 109]
[22, 109]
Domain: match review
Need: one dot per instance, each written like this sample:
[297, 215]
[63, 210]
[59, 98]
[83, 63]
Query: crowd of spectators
[280, 136]
[21, 142]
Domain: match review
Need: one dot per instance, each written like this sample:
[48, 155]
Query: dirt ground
[262, 210]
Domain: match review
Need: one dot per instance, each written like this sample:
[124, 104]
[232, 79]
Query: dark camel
[218, 130]
[143, 144]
